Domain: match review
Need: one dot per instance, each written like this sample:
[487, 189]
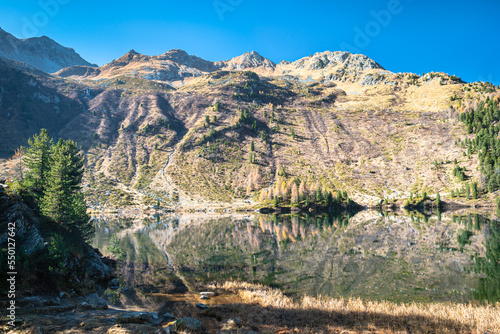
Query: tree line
[484, 123]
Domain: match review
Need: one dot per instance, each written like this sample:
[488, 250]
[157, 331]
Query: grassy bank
[264, 306]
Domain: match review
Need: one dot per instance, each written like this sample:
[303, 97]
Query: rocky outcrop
[14, 213]
[189, 325]
[174, 65]
[17, 218]
[328, 59]
[330, 66]
[247, 61]
[40, 52]
[137, 317]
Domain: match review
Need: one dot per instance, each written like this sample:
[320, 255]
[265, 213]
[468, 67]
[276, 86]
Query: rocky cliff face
[40, 52]
[33, 242]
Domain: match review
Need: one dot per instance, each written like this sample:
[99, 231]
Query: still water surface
[394, 257]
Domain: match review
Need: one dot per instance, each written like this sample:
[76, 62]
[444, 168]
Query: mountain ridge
[177, 67]
[180, 130]
[41, 52]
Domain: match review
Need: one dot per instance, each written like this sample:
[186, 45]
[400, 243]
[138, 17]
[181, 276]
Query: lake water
[396, 257]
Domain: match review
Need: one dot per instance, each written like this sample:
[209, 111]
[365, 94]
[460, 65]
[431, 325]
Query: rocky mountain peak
[175, 53]
[40, 52]
[329, 59]
[129, 57]
[248, 60]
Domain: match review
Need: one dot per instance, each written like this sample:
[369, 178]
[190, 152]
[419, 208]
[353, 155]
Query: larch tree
[295, 195]
[302, 190]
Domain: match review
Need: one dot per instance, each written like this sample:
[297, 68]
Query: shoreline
[240, 307]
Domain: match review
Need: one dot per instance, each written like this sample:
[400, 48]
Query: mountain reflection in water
[395, 257]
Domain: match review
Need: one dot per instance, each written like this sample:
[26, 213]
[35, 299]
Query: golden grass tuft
[353, 315]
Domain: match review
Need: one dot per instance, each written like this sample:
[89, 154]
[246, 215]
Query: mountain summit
[248, 60]
[40, 52]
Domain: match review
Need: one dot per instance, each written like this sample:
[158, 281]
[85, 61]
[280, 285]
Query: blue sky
[417, 36]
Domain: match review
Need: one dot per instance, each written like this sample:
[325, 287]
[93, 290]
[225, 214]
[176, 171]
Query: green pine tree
[319, 196]
[62, 200]
[474, 190]
[329, 198]
[36, 159]
[276, 201]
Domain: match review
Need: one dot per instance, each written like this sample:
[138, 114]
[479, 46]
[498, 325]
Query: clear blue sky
[456, 37]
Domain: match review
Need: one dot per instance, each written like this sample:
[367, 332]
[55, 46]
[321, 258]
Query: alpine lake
[397, 256]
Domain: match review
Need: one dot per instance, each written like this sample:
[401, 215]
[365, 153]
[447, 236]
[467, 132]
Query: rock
[208, 293]
[94, 266]
[188, 324]
[136, 317]
[114, 284]
[168, 316]
[96, 302]
[232, 324]
[201, 306]
[85, 305]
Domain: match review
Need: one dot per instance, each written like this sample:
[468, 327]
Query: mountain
[247, 61]
[30, 100]
[338, 66]
[184, 131]
[176, 67]
[40, 52]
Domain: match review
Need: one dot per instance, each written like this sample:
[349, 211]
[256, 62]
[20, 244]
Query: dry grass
[339, 315]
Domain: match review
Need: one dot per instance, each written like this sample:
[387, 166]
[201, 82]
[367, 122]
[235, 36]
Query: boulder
[85, 305]
[189, 325]
[94, 266]
[208, 293]
[201, 306]
[136, 317]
